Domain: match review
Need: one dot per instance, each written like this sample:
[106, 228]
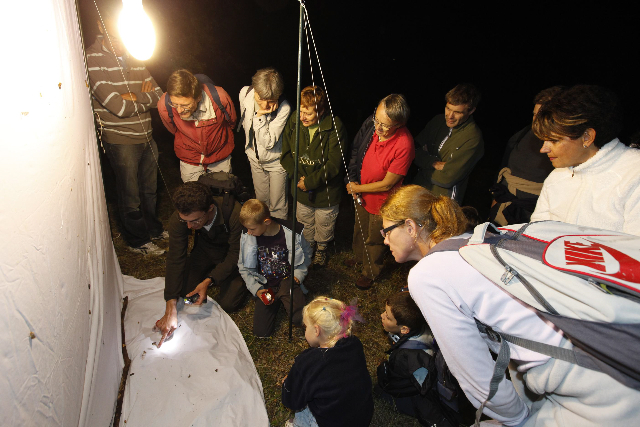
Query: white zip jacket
[267, 128]
[603, 192]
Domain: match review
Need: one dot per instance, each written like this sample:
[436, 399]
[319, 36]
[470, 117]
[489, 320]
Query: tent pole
[295, 173]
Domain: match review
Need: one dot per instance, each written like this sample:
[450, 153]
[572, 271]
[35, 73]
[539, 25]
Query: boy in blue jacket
[266, 251]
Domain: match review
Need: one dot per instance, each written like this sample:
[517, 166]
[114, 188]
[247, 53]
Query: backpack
[206, 81]
[393, 373]
[229, 187]
[435, 395]
[584, 280]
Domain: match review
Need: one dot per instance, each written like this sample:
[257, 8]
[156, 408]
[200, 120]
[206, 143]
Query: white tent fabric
[60, 283]
[203, 376]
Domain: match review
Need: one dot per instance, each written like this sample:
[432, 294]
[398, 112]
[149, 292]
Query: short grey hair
[396, 107]
[268, 83]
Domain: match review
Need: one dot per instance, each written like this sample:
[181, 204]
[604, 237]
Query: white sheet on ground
[203, 376]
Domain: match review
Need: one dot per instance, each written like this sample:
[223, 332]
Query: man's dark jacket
[221, 244]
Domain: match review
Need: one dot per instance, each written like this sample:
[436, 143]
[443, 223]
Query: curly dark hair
[192, 197]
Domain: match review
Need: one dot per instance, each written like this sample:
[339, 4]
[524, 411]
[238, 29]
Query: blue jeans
[136, 180]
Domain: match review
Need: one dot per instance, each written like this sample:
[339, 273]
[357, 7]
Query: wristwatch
[213, 281]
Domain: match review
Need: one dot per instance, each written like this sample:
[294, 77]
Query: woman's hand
[352, 188]
[301, 184]
[269, 108]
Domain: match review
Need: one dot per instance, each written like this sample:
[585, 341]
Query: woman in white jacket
[264, 114]
[451, 295]
[596, 180]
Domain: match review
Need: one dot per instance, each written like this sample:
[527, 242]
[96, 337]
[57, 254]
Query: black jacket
[334, 382]
[359, 148]
[222, 242]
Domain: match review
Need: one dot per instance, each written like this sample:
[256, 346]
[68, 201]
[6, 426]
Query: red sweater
[212, 138]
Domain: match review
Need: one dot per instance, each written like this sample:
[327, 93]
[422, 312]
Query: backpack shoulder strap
[504, 356]
[481, 234]
[206, 80]
[169, 108]
[243, 110]
[448, 245]
[228, 204]
[413, 345]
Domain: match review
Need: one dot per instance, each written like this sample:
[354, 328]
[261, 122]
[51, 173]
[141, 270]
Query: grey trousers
[319, 223]
[270, 184]
[192, 172]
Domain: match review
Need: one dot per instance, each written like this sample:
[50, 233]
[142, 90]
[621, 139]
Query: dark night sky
[418, 48]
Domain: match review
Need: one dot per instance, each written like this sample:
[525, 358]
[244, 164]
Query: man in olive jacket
[213, 260]
[320, 168]
[450, 145]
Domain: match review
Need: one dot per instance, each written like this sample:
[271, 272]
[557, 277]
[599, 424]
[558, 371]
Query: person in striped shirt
[123, 93]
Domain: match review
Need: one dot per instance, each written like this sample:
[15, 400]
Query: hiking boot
[351, 263]
[162, 236]
[148, 249]
[320, 257]
[364, 283]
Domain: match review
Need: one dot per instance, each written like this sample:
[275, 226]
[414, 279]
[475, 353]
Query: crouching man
[213, 259]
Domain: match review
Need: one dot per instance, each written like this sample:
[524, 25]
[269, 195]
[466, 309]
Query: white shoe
[148, 249]
[162, 236]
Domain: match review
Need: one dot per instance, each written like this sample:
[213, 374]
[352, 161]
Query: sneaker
[320, 257]
[162, 236]
[148, 249]
[364, 283]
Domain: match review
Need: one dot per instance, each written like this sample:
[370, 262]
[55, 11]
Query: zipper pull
[508, 275]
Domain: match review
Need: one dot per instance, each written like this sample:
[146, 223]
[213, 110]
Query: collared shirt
[208, 226]
[204, 110]
[394, 155]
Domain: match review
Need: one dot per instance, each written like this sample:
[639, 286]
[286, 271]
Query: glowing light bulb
[136, 30]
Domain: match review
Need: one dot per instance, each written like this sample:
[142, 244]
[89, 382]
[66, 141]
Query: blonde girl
[328, 384]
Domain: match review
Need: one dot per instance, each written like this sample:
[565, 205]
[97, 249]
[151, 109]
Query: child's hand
[259, 294]
[284, 379]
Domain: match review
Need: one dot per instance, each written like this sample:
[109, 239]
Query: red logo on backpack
[589, 255]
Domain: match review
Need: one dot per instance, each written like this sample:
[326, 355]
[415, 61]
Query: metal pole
[295, 172]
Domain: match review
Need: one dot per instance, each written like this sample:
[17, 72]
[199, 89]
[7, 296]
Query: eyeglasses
[385, 231]
[377, 123]
[194, 221]
[185, 108]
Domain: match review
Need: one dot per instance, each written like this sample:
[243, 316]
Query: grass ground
[274, 356]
